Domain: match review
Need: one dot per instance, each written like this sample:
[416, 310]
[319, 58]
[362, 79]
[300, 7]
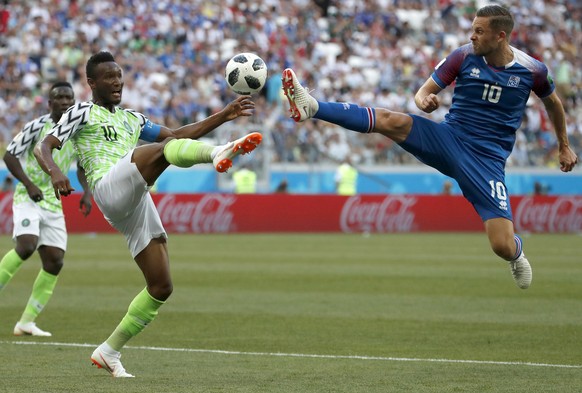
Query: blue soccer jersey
[489, 102]
[478, 133]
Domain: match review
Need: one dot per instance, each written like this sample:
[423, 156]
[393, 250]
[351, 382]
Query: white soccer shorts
[124, 199]
[50, 228]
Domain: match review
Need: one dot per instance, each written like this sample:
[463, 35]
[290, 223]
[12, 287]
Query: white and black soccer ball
[246, 73]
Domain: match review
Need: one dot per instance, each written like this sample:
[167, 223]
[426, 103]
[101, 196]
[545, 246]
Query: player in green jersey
[37, 214]
[120, 173]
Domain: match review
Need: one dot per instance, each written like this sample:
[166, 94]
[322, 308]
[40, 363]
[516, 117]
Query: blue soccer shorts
[481, 176]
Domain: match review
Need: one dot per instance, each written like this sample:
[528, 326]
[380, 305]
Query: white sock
[108, 350]
[215, 151]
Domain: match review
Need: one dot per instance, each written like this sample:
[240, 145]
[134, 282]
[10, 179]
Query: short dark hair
[95, 60]
[60, 84]
[500, 19]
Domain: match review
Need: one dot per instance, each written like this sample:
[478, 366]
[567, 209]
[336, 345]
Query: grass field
[309, 313]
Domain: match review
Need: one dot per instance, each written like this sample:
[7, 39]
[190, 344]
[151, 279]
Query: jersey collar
[508, 65]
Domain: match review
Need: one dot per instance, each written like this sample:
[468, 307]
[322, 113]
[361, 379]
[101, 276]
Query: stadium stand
[370, 52]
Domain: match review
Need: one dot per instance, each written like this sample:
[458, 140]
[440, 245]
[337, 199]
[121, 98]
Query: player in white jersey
[493, 82]
[38, 217]
[120, 175]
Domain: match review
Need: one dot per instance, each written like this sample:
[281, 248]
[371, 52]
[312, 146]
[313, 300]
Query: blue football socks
[518, 247]
[347, 115]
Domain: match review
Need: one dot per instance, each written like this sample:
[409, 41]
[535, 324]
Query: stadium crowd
[373, 52]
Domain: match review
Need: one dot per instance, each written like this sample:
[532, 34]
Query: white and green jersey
[99, 136]
[22, 146]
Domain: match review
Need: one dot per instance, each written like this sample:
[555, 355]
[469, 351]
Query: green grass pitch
[309, 313]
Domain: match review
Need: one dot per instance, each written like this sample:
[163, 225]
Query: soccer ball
[246, 73]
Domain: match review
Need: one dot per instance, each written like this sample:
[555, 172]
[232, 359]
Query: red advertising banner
[548, 214]
[228, 213]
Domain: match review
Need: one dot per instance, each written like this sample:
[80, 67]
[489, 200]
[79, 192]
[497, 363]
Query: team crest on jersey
[475, 72]
[25, 222]
[513, 81]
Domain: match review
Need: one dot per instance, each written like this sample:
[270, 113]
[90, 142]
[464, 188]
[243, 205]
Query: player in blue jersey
[493, 81]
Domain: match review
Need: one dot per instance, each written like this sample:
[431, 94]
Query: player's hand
[34, 193]
[61, 184]
[429, 103]
[63, 189]
[85, 204]
[567, 159]
[242, 106]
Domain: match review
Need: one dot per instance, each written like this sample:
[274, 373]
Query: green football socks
[186, 152]
[42, 290]
[142, 310]
[9, 265]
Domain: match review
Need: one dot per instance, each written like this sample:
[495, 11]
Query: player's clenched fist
[429, 103]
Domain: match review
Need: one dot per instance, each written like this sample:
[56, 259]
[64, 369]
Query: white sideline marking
[306, 355]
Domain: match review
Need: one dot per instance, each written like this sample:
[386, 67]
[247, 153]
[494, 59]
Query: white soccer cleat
[223, 159]
[110, 363]
[521, 271]
[302, 105]
[29, 329]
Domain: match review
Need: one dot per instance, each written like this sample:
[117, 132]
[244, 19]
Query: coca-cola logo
[6, 213]
[392, 214]
[562, 214]
[210, 214]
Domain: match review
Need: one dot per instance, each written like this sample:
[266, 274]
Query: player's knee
[53, 266]
[167, 289]
[25, 250]
[394, 125]
[161, 291]
[165, 141]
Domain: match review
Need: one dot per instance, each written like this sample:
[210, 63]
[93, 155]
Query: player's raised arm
[43, 153]
[426, 97]
[241, 106]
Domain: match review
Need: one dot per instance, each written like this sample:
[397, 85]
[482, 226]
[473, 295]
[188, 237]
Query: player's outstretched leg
[349, 116]
[106, 358]
[223, 155]
[520, 267]
[302, 105]
[186, 152]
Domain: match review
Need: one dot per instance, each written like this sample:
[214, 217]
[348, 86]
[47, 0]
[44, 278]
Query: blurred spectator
[375, 51]
[8, 184]
[282, 188]
[245, 180]
[447, 187]
[540, 189]
[346, 178]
